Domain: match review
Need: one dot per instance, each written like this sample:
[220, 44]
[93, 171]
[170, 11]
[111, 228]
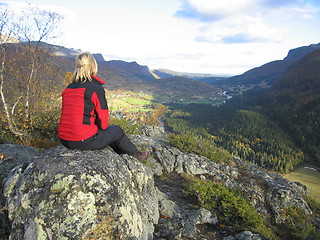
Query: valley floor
[308, 175]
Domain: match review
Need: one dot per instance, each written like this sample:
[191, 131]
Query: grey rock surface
[11, 156]
[14, 155]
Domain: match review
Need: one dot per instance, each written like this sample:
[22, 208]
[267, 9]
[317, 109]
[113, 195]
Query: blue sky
[199, 36]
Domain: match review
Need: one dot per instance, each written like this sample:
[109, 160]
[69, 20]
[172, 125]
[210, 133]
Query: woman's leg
[120, 141]
[114, 137]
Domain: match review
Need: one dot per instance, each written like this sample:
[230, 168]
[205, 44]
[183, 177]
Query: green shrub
[184, 142]
[127, 126]
[196, 144]
[314, 205]
[39, 132]
[46, 124]
[6, 136]
[298, 225]
[231, 205]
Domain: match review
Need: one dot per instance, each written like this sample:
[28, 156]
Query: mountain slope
[132, 76]
[293, 103]
[181, 89]
[271, 72]
[300, 85]
[131, 69]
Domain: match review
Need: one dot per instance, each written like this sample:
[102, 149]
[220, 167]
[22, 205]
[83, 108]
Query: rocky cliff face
[71, 194]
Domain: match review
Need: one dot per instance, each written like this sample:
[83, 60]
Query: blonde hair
[86, 66]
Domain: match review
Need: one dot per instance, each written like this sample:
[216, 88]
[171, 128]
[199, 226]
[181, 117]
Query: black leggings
[113, 136]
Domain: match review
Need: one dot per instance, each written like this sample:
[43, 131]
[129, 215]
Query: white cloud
[239, 29]
[207, 11]
[215, 10]
[243, 21]
[221, 8]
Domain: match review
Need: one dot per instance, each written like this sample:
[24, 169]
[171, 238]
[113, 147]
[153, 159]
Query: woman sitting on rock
[84, 117]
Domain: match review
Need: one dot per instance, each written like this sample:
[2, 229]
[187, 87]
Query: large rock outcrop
[72, 194]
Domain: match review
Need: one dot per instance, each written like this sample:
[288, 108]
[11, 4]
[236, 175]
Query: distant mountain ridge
[288, 76]
[166, 73]
[270, 72]
[299, 87]
[299, 52]
[133, 68]
[122, 75]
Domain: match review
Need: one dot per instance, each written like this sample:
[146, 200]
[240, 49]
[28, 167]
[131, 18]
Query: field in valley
[307, 175]
[128, 101]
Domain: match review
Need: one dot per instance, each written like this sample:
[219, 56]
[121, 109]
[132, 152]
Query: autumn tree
[28, 71]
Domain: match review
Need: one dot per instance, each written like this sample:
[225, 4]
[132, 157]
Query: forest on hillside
[273, 139]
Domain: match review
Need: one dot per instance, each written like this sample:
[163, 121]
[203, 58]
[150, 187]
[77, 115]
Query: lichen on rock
[67, 192]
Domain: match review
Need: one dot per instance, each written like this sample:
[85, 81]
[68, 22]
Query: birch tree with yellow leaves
[28, 73]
